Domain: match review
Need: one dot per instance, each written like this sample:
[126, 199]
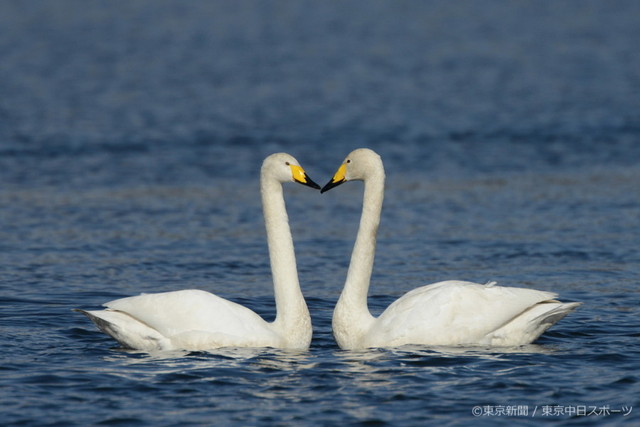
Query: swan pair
[444, 313]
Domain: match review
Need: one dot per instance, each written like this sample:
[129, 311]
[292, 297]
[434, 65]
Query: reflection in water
[263, 358]
[265, 372]
[364, 368]
[414, 375]
[483, 352]
[434, 357]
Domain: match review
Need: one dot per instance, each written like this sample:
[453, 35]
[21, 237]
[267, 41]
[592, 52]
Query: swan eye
[287, 163]
[348, 161]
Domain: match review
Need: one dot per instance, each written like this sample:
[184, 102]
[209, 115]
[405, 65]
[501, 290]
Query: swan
[198, 320]
[447, 313]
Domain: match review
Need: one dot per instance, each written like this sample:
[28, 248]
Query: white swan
[199, 320]
[445, 313]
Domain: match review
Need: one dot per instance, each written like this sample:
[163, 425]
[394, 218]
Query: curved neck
[356, 286]
[290, 304]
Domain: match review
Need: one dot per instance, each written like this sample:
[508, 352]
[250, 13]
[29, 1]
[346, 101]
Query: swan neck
[292, 312]
[362, 258]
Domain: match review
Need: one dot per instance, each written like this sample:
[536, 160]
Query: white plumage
[445, 313]
[199, 320]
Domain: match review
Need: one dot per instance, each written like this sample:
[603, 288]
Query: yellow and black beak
[300, 176]
[338, 178]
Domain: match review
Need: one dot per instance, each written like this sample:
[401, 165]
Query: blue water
[131, 136]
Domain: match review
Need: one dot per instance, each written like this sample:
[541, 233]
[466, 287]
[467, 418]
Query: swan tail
[556, 314]
[528, 326]
[128, 331]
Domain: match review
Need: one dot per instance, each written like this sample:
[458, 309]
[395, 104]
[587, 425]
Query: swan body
[198, 320]
[447, 313]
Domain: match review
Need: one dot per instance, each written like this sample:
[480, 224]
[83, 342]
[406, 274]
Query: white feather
[445, 313]
[199, 320]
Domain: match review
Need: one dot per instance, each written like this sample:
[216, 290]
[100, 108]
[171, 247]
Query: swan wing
[453, 313]
[187, 319]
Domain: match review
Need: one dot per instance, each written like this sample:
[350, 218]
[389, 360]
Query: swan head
[357, 166]
[284, 167]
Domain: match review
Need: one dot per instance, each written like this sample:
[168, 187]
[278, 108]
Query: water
[131, 135]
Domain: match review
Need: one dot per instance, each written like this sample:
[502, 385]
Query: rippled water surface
[131, 137]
